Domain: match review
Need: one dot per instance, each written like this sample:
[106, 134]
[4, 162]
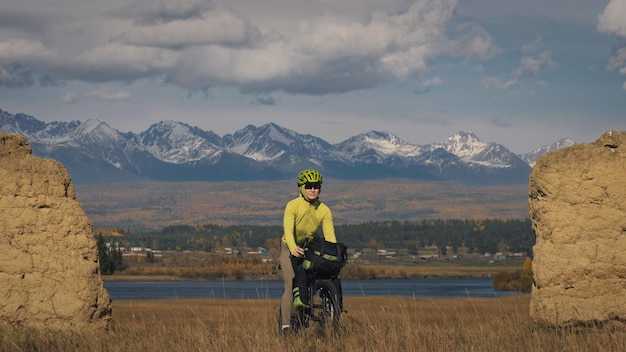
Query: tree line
[110, 258]
[449, 235]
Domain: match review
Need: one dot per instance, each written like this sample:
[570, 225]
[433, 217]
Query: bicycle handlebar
[305, 243]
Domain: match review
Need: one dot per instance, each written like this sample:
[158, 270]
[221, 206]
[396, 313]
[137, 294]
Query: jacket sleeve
[327, 225]
[289, 225]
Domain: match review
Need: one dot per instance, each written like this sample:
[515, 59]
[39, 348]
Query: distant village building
[385, 254]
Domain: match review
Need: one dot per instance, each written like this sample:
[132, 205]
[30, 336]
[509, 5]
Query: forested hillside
[473, 236]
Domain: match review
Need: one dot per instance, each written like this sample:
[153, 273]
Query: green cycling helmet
[309, 175]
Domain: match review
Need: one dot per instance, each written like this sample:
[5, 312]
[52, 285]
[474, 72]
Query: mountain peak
[378, 142]
[466, 137]
[463, 143]
[91, 125]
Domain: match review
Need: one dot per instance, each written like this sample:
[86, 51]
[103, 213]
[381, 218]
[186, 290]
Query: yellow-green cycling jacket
[303, 219]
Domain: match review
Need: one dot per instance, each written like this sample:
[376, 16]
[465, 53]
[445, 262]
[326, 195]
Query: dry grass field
[371, 324]
[158, 204]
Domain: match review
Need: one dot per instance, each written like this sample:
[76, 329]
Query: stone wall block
[577, 206]
[49, 270]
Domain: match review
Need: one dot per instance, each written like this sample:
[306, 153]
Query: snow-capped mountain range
[93, 152]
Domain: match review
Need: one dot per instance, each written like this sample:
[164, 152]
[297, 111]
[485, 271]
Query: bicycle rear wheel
[325, 309]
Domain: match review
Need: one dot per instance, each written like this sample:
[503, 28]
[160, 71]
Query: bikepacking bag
[323, 258]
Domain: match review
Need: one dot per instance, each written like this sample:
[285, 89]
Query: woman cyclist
[302, 219]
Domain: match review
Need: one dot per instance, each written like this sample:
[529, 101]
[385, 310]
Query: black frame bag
[323, 258]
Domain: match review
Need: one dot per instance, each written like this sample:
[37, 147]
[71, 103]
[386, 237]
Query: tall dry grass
[371, 324]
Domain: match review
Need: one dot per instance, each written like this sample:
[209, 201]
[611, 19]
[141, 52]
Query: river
[426, 288]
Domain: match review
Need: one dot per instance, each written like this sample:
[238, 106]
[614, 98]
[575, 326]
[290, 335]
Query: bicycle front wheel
[325, 306]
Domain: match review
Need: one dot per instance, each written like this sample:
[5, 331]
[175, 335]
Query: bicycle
[325, 305]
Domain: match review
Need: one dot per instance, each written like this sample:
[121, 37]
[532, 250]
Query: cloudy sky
[519, 73]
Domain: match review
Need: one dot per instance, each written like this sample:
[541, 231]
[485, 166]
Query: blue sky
[519, 73]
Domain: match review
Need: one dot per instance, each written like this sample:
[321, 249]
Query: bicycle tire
[325, 308]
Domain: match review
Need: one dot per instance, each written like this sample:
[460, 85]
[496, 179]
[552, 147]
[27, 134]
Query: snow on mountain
[469, 148]
[93, 132]
[376, 146]
[464, 144]
[178, 143]
[35, 130]
[271, 143]
[265, 143]
[532, 157]
[20, 123]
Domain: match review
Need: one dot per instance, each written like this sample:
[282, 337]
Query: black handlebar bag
[325, 259]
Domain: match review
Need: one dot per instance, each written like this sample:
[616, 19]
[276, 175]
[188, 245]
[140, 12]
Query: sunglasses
[312, 185]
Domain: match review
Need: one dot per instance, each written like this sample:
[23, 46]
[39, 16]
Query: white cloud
[569, 10]
[612, 20]
[427, 84]
[25, 63]
[316, 48]
[618, 59]
[533, 47]
[529, 66]
[70, 98]
[19, 50]
[117, 62]
[473, 41]
[109, 96]
[165, 11]
[209, 28]
[435, 81]
[263, 100]
[493, 82]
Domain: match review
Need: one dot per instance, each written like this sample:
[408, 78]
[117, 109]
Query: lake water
[427, 288]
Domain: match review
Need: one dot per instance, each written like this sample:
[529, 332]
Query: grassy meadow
[371, 324]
